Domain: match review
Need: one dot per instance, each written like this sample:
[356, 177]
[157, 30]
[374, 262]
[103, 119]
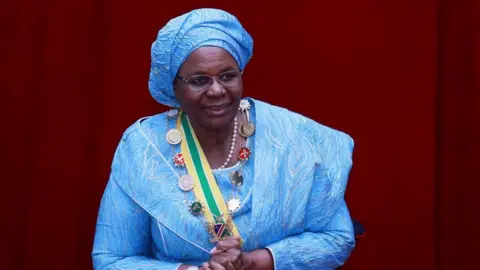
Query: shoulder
[141, 141]
[143, 128]
[143, 136]
[302, 125]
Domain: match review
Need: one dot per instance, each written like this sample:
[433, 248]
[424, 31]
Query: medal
[233, 205]
[244, 105]
[244, 153]
[186, 182]
[220, 229]
[174, 136]
[173, 113]
[236, 178]
[178, 160]
[195, 208]
[246, 130]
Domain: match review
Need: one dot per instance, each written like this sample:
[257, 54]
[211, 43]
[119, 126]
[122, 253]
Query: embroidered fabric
[295, 209]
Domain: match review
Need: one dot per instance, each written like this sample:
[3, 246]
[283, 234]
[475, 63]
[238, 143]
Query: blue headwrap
[186, 33]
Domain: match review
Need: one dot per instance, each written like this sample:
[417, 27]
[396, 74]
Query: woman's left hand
[226, 255]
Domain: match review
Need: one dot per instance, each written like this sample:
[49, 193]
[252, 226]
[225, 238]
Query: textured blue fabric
[186, 33]
[297, 176]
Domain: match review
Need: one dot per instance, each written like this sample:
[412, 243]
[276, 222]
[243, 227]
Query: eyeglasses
[231, 78]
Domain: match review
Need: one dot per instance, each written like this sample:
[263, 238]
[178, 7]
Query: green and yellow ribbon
[205, 188]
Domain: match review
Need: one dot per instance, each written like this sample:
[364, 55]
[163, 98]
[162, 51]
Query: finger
[233, 251]
[232, 237]
[236, 257]
[222, 258]
[205, 266]
[231, 255]
[226, 244]
[230, 266]
[216, 266]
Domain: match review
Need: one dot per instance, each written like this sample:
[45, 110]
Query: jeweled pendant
[218, 230]
[195, 208]
[233, 205]
[236, 178]
[246, 130]
[244, 105]
[178, 160]
[244, 153]
[221, 228]
[186, 182]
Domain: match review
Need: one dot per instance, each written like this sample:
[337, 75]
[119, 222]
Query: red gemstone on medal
[244, 153]
[178, 160]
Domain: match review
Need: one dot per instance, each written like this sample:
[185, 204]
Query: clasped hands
[227, 255]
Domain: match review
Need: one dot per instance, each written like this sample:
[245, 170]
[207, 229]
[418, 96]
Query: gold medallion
[246, 129]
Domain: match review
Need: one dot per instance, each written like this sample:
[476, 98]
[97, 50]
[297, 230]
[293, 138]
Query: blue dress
[292, 197]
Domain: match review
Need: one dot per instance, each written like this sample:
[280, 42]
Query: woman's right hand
[227, 255]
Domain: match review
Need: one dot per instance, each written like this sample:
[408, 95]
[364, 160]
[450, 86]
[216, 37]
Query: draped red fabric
[401, 77]
[458, 135]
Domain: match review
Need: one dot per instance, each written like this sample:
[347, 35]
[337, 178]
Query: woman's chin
[218, 120]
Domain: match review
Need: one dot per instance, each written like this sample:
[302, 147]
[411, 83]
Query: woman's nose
[216, 88]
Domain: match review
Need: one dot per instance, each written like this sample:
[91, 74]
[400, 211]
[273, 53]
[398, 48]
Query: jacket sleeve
[328, 238]
[123, 239]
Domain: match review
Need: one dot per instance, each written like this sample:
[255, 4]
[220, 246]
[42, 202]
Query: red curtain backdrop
[458, 136]
[402, 77]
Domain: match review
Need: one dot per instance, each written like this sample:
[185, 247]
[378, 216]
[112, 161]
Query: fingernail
[214, 249]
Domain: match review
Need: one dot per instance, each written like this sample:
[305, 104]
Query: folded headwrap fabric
[186, 33]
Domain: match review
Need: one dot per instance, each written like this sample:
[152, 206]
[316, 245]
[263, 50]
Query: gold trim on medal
[174, 136]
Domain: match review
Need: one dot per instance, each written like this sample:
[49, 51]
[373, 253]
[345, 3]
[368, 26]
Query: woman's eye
[227, 77]
[199, 80]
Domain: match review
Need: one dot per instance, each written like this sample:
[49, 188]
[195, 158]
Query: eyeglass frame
[185, 80]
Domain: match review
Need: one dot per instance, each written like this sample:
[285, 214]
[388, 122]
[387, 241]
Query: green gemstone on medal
[196, 208]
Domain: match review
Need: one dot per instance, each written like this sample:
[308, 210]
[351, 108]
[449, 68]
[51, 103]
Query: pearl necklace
[232, 144]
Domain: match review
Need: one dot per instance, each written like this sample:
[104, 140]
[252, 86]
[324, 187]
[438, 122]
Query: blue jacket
[299, 175]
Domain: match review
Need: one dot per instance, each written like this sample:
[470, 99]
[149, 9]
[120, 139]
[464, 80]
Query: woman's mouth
[217, 110]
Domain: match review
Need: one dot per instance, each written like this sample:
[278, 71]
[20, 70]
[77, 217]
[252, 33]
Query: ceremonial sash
[205, 187]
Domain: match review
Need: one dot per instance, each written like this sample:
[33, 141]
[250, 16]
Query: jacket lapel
[153, 184]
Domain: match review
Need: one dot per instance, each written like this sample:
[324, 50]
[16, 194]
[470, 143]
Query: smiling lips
[217, 110]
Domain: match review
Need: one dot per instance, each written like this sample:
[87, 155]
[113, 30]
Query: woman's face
[211, 103]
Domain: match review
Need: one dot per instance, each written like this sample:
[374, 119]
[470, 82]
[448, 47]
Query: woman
[221, 182]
